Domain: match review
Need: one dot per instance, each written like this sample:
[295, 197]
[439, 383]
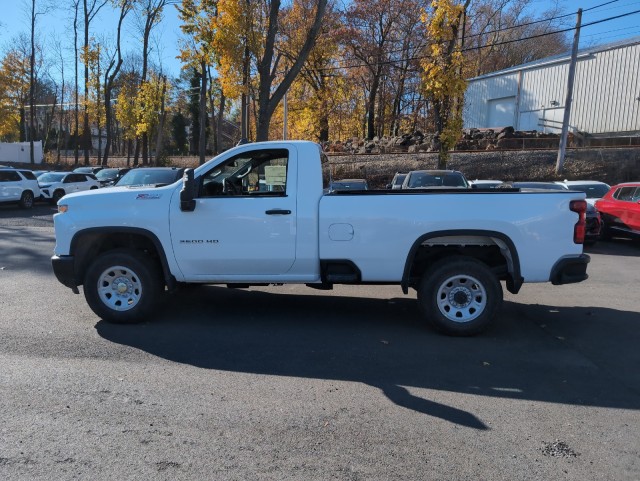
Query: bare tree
[41, 9]
[111, 73]
[151, 14]
[90, 9]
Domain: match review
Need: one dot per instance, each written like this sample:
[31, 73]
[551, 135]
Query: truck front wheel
[123, 286]
[459, 296]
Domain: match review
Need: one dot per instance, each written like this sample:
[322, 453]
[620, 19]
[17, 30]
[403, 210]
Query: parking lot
[291, 383]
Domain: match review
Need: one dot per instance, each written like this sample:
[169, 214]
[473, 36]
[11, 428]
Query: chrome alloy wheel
[119, 288]
[461, 298]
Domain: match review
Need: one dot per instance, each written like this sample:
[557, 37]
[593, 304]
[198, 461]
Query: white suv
[18, 185]
[55, 185]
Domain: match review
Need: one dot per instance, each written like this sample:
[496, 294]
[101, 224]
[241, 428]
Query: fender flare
[162, 256]
[515, 280]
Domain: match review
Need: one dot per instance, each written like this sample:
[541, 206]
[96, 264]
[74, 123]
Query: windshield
[593, 191]
[423, 179]
[51, 177]
[107, 174]
[149, 177]
[399, 179]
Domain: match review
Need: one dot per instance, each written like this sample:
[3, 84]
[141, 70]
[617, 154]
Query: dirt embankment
[604, 164]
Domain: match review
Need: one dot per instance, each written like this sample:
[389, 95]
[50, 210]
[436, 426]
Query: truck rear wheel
[460, 296]
[123, 286]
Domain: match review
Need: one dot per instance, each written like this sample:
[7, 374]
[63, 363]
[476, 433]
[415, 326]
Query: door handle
[278, 212]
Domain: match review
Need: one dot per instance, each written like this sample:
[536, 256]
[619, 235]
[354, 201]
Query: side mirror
[388, 186]
[187, 193]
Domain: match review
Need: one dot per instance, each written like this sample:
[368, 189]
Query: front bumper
[569, 270]
[64, 269]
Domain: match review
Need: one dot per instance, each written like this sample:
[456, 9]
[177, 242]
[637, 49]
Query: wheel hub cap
[119, 288]
[122, 286]
[461, 298]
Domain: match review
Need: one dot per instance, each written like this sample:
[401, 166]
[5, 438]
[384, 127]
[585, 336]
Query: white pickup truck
[259, 214]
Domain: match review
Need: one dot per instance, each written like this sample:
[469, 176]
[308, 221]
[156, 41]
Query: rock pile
[471, 140]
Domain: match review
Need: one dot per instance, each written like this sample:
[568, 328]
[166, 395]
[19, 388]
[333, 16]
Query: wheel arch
[89, 243]
[452, 242]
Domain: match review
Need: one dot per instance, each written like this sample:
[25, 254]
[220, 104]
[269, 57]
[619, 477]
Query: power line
[495, 44]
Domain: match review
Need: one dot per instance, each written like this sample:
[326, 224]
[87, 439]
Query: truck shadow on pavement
[578, 356]
[25, 250]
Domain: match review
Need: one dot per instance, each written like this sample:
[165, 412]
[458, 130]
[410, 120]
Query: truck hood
[120, 197]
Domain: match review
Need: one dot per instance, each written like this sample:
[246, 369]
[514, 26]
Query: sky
[14, 19]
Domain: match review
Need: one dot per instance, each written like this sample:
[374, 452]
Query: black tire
[605, 232]
[123, 286]
[26, 201]
[459, 296]
[57, 195]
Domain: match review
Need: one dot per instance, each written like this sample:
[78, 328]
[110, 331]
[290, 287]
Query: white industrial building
[606, 93]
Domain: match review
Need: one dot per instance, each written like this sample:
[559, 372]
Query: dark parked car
[110, 176]
[435, 179]
[157, 176]
[349, 184]
[88, 170]
[396, 182]
[620, 210]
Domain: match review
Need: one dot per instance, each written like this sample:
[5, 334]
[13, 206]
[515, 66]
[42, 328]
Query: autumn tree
[125, 109]
[444, 72]
[254, 28]
[14, 91]
[314, 101]
[196, 52]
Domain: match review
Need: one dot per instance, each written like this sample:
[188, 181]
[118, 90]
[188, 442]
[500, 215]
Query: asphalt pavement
[286, 382]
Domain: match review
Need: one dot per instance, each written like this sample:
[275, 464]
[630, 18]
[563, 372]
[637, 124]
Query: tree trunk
[371, 107]
[221, 107]
[202, 144]
[161, 121]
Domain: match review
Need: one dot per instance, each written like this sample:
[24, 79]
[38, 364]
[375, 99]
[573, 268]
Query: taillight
[579, 230]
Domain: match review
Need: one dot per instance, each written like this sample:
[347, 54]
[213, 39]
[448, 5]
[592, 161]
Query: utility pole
[567, 103]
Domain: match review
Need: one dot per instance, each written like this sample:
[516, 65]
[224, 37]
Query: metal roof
[563, 57]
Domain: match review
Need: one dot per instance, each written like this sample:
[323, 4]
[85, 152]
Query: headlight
[62, 208]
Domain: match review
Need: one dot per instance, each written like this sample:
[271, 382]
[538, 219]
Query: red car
[620, 210]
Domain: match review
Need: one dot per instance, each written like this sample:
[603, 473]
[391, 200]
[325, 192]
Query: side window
[27, 174]
[636, 195]
[69, 178]
[9, 176]
[255, 173]
[625, 193]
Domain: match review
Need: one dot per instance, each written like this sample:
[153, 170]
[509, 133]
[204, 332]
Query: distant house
[531, 96]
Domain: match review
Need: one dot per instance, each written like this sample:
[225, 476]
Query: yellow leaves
[14, 87]
[148, 104]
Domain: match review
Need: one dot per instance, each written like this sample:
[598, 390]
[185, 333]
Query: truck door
[244, 222]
